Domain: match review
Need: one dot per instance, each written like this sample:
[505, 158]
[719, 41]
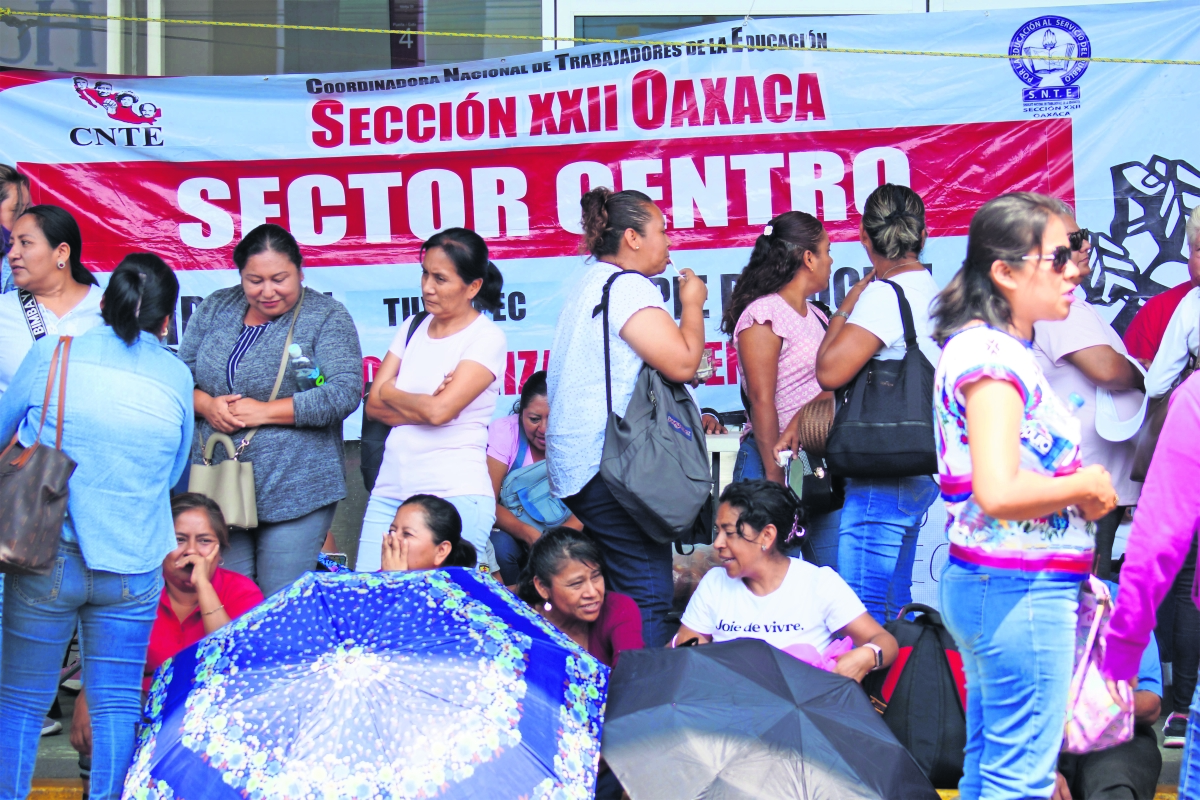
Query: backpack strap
[417, 319]
[906, 317]
[602, 307]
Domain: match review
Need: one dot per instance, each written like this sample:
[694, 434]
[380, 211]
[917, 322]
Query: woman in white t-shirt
[881, 518]
[763, 594]
[438, 388]
[622, 231]
[56, 295]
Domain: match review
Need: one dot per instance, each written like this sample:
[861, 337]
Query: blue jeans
[821, 534]
[1189, 770]
[877, 540]
[275, 554]
[477, 511]
[41, 614]
[1016, 634]
[512, 555]
[637, 565]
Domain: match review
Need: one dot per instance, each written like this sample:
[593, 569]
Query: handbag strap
[1103, 606]
[57, 365]
[33, 314]
[522, 447]
[906, 317]
[279, 376]
[602, 307]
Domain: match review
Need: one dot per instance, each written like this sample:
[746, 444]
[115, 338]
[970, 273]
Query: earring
[764, 548]
[548, 606]
[62, 265]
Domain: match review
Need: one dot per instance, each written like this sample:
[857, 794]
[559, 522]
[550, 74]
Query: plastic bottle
[308, 375]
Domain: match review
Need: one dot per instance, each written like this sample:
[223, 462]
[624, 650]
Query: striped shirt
[245, 341]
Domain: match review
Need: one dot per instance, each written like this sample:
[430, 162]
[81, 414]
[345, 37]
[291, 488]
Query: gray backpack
[655, 459]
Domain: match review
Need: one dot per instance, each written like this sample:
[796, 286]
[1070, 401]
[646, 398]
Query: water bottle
[308, 374]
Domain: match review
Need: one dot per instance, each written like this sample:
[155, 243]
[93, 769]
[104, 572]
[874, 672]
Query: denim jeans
[477, 511]
[1189, 770]
[877, 539]
[275, 554]
[512, 555]
[41, 613]
[820, 544]
[637, 565]
[1178, 632]
[1015, 632]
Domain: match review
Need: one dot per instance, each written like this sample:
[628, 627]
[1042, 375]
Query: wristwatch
[878, 655]
[841, 314]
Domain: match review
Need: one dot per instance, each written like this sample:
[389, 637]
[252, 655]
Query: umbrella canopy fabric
[373, 686]
[741, 719]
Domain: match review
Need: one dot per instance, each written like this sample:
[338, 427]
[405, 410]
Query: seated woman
[426, 533]
[514, 443]
[199, 596]
[763, 594]
[564, 581]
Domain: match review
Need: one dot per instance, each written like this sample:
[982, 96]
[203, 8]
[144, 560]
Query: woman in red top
[564, 581]
[198, 597]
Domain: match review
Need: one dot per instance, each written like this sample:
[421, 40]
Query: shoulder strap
[279, 375]
[417, 319]
[522, 448]
[824, 309]
[33, 314]
[602, 307]
[906, 317]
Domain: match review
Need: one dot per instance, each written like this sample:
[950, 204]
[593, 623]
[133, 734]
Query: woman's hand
[394, 556]
[254, 413]
[1101, 497]
[789, 439]
[219, 413]
[81, 726]
[692, 290]
[712, 425]
[202, 566]
[445, 382]
[856, 664]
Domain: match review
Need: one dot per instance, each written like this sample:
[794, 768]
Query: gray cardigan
[297, 469]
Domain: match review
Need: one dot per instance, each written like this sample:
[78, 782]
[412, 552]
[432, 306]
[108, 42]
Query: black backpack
[883, 424]
[923, 695]
[374, 434]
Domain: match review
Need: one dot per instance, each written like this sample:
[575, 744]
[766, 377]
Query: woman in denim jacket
[233, 345]
[128, 426]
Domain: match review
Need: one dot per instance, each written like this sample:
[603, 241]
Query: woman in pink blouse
[777, 332]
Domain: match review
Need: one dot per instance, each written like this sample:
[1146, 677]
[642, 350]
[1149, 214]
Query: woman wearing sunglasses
[1018, 500]
[1078, 355]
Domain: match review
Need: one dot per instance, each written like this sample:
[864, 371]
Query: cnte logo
[117, 137]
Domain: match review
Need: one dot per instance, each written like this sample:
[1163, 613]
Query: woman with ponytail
[777, 331]
[127, 424]
[438, 386]
[623, 232]
[1019, 504]
[55, 294]
[881, 517]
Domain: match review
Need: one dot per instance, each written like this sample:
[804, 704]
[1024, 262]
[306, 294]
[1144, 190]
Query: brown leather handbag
[33, 488]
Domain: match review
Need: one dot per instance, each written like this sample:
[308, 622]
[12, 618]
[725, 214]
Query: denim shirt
[128, 426]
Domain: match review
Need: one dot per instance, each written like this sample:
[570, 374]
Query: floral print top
[1050, 436]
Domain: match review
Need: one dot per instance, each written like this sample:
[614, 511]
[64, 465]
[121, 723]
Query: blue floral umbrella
[376, 686]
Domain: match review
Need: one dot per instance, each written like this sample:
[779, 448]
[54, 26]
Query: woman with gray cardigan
[233, 345]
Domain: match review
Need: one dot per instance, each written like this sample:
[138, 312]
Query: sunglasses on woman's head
[1077, 238]
[1058, 258]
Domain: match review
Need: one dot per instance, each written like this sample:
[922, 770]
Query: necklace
[896, 267]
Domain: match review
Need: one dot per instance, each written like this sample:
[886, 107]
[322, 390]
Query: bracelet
[210, 613]
[840, 314]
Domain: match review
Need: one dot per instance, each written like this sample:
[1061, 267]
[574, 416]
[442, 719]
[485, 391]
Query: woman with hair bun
[234, 344]
[437, 387]
[48, 275]
[881, 517]
[127, 424]
[777, 332]
[623, 231]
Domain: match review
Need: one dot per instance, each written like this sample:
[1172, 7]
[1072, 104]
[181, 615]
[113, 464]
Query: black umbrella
[742, 719]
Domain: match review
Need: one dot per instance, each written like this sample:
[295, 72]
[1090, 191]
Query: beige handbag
[231, 483]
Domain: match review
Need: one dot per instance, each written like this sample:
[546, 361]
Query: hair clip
[767, 231]
[796, 531]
